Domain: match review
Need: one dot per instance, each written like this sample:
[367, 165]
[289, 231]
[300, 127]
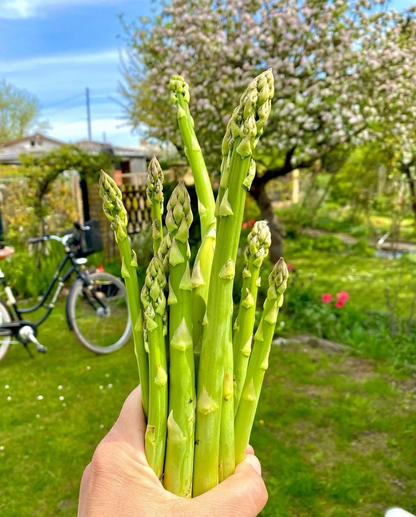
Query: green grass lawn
[364, 278]
[335, 434]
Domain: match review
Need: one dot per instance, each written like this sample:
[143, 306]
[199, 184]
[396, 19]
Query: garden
[302, 173]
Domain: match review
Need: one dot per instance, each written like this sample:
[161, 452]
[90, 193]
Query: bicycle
[96, 307]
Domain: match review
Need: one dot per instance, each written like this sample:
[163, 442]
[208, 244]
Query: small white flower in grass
[59, 387]
[101, 426]
[64, 405]
[88, 368]
[40, 397]
[6, 387]
[107, 375]
[9, 398]
[101, 387]
[61, 398]
[37, 416]
[1, 447]
[110, 386]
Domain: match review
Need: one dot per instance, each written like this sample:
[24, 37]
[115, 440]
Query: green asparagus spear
[181, 421]
[242, 135]
[226, 464]
[206, 204]
[259, 360]
[163, 252]
[201, 275]
[154, 304]
[116, 213]
[155, 196]
[259, 240]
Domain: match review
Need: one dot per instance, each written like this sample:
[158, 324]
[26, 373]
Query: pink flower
[100, 268]
[327, 298]
[251, 223]
[289, 267]
[339, 304]
[244, 225]
[343, 297]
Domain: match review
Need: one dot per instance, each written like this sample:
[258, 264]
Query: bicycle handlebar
[80, 227]
[34, 240]
[63, 239]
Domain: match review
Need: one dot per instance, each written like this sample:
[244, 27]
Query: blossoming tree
[344, 71]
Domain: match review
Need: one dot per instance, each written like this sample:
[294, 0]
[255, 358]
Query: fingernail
[249, 450]
[255, 463]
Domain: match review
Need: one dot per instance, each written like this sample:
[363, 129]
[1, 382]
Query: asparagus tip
[178, 85]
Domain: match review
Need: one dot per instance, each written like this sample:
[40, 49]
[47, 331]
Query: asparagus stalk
[154, 304]
[116, 213]
[259, 360]
[163, 252]
[259, 240]
[206, 204]
[181, 421]
[201, 275]
[242, 135]
[155, 197]
[227, 443]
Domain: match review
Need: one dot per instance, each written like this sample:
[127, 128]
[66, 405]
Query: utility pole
[87, 93]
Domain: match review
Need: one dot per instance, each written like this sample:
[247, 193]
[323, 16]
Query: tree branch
[277, 171]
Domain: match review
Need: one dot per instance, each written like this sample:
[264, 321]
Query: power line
[61, 102]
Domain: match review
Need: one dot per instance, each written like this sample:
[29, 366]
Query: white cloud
[13, 9]
[110, 56]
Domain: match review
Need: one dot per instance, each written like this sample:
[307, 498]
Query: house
[37, 144]
[131, 161]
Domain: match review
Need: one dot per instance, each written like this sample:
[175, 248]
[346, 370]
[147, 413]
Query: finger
[243, 494]
[131, 425]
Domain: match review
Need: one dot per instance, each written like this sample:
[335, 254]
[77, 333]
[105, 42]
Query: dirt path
[401, 246]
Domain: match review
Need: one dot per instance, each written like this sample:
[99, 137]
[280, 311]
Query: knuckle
[101, 459]
[259, 493]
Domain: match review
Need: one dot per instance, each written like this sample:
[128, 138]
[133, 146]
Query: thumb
[243, 494]
[130, 426]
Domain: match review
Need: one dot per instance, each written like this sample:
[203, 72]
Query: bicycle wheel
[101, 327]
[5, 335]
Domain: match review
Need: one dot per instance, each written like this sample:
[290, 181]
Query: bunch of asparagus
[200, 375]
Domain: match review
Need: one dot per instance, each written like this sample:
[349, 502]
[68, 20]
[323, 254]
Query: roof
[120, 151]
[35, 136]
[10, 151]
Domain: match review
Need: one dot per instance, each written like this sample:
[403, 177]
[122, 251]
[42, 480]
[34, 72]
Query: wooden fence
[138, 210]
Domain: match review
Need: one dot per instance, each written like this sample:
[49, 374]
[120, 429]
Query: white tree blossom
[344, 70]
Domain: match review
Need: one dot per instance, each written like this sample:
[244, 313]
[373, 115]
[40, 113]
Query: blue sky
[55, 48]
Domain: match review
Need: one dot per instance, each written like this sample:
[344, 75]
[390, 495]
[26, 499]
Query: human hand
[119, 482]
[5, 252]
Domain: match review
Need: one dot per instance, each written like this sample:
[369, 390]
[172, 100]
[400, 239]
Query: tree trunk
[412, 188]
[258, 192]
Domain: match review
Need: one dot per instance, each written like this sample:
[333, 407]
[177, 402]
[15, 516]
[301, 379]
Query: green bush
[362, 248]
[329, 243]
[368, 331]
[29, 272]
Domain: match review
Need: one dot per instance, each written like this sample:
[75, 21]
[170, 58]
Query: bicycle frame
[55, 279]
